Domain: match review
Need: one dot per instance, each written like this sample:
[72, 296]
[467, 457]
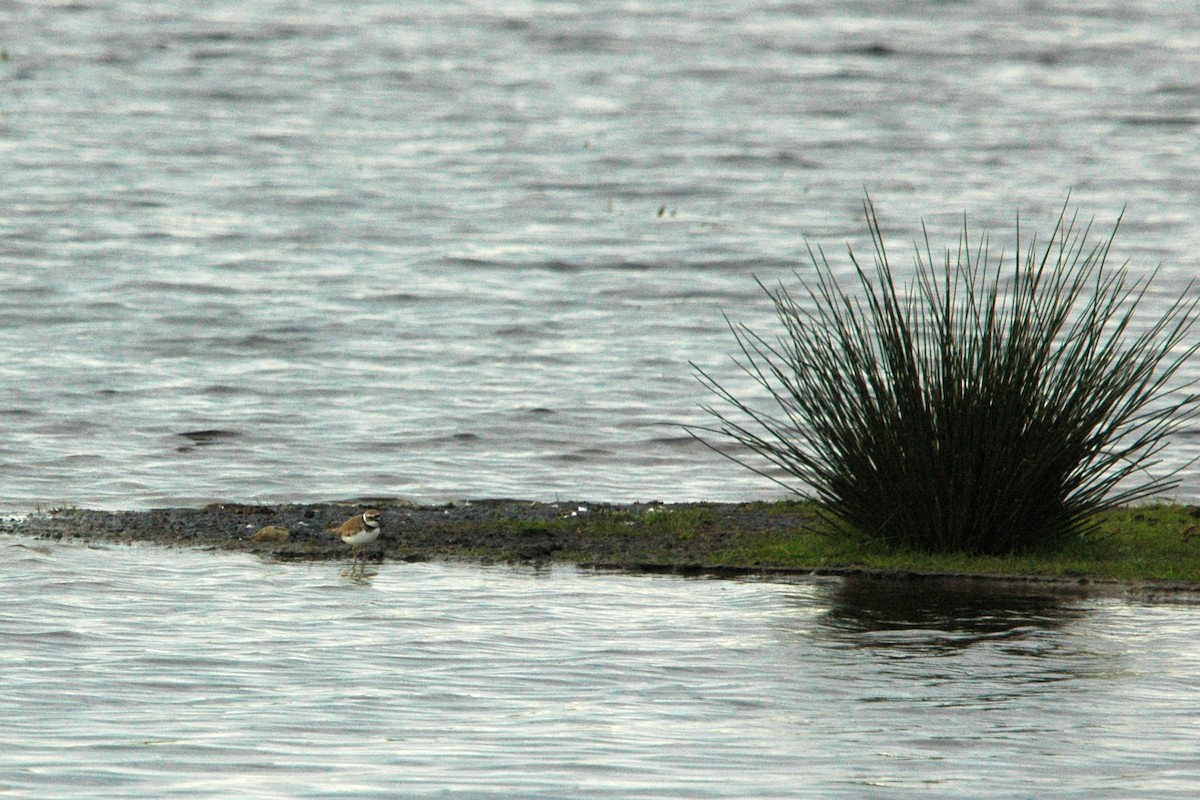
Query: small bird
[359, 531]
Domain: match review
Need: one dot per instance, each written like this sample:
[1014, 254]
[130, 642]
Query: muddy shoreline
[597, 536]
[488, 530]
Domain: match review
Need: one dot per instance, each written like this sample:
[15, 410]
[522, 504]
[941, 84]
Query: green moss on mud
[1156, 542]
[1143, 543]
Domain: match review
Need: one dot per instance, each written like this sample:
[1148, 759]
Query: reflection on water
[359, 573]
[934, 617]
[142, 672]
[940, 653]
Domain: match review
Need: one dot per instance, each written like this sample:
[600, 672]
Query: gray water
[142, 672]
[300, 250]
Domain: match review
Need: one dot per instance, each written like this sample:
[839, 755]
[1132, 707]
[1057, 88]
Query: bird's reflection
[360, 573]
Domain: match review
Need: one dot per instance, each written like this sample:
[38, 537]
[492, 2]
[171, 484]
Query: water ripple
[312, 224]
[149, 672]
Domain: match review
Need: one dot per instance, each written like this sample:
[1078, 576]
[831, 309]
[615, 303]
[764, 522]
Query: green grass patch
[1159, 542]
[1146, 542]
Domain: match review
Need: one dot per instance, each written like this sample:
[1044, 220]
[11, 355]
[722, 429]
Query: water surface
[304, 250]
[144, 672]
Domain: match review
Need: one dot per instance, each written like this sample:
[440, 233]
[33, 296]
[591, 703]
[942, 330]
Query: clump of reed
[982, 407]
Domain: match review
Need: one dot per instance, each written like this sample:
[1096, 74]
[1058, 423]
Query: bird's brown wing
[350, 526]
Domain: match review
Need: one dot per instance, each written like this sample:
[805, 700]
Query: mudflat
[773, 539]
[489, 530]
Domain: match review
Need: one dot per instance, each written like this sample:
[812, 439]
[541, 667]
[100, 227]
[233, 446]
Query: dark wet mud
[498, 530]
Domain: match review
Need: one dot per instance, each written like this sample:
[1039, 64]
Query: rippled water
[146, 672]
[300, 250]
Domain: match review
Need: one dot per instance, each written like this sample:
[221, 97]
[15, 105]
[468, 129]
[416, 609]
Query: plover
[359, 531]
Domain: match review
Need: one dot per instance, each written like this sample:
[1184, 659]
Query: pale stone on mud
[271, 533]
